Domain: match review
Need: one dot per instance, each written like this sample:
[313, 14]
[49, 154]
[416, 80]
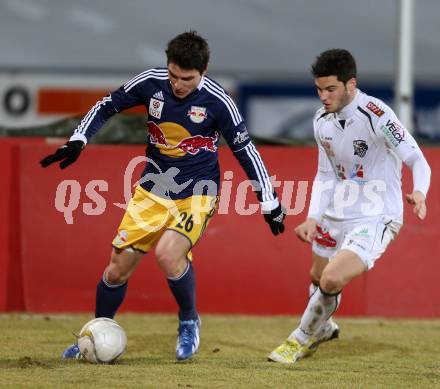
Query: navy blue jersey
[183, 135]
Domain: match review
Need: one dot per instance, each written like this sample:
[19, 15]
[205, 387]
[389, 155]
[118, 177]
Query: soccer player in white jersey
[356, 206]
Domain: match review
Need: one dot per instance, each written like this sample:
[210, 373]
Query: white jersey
[361, 149]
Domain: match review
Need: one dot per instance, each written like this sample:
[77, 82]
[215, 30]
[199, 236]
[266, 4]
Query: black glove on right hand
[67, 154]
[275, 219]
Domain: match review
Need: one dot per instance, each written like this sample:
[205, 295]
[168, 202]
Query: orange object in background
[70, 101]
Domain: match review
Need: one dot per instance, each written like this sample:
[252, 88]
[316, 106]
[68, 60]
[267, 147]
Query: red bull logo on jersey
[175, 141]
[197, 114]
[194, 144]
[157, 137]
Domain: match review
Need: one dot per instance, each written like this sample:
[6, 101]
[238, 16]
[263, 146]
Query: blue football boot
[188, 339]
[71, 352]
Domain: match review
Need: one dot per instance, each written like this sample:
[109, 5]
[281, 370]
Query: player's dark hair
[335, 62]
[189, 51]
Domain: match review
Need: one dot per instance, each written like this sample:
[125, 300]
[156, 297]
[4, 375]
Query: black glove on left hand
[275, 219]
[67, 154]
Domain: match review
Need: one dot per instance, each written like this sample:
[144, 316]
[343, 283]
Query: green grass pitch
[370, 353]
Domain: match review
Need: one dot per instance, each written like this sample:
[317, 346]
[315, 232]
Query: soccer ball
[102, 340]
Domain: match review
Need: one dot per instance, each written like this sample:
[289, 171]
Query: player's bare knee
[166, 256]
[331, 282]
[115, 275]
[172, 262]
[119, 268]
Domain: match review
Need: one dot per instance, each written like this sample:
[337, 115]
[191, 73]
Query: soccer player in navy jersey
[177, 194]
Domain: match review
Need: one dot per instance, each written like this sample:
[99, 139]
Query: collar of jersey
[349, 109]
[199, 88]
[201, 83]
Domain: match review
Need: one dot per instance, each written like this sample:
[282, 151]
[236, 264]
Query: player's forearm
[421, 172]
[94, 120]
[250, 160]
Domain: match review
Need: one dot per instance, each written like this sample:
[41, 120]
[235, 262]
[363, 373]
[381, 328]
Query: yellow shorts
[148, 216]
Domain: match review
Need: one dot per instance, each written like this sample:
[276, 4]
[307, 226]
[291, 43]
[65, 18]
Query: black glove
[67, 154]
[275, 219]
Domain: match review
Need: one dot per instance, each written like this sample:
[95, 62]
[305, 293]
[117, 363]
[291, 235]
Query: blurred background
[58, 57]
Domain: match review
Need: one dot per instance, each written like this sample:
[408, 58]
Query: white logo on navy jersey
[197, 114]
[241, 137]
[158, 95]
[155, 108]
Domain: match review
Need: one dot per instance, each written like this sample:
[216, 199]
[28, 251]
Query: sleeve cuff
[270, 205]
[80, 137]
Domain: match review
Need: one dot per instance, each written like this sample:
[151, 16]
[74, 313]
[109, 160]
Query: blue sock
[184, 291]
[109, 298]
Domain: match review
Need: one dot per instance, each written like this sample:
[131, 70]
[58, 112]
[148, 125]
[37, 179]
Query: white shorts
[368, 238]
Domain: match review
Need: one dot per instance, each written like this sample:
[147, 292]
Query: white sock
[312, 289]
[319, 309]
[327, 325]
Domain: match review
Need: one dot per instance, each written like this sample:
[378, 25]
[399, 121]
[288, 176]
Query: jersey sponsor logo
[157, 136]
[328, 148]
[177, 144]
[375, 109]
[241, 137]
[194, 144]
[197, 114]
[158, 95]
[362, 233]
[352, 242]
[121, 238]
[323, 238]
[155, 108]
[394, 132]
[360, 147]
[357, 172]
[341, 172]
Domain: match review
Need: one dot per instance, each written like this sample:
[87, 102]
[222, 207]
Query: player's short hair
[189, 51]
[335, 62]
